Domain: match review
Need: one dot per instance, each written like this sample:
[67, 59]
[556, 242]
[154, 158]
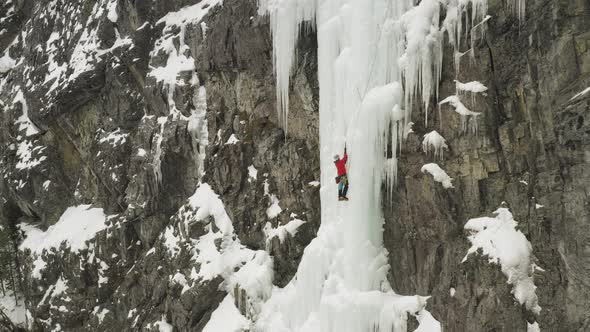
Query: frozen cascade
[374, 59]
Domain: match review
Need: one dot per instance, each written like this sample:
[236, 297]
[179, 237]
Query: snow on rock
[207, 203]
[171, 241]
[189, 14]
[25, 124]
[252, 173]
[255, 278]
[76, 226]
[232, 140]
[503, 244]
[427, 322]
[29, 155]
[100, 314]
[164, 326]
[178, 59]
[534, 327]
[54, 290]
[227, 318]
[438, 174]
[141, 152]
[6, 63]
[38, 265]
[112, 11]
[219, 253]
[180, 279]
[433, 141]
[274, 209]
[114, 138]
[216, 261]
[282, 230]
[473, 87]
[468, 117]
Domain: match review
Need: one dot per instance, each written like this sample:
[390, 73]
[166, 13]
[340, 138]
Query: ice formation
[499, 239]
[468, 117]
[433, 141]
[368, 52]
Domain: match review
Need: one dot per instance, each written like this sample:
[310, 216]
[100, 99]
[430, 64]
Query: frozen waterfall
[374, 59]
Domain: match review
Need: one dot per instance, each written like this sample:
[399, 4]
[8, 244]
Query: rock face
[88, 118]
[531, 152]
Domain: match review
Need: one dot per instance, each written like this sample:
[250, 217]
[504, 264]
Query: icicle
[518, 7]
[470, 88]
[286, 18]
[468, 117]
[157, 161]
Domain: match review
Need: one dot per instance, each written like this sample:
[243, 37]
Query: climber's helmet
[336, 158]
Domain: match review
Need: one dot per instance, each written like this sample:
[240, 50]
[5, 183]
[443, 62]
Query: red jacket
[341, 165]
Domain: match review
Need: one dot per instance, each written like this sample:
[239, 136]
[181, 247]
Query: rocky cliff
[146, 111]
[88, 120]
[530, 154]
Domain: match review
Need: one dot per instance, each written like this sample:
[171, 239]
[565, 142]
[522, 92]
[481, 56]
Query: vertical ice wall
[374, 59]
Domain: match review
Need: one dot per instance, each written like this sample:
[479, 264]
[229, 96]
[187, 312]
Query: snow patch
[252, 172]
[499, 239]
[24, 154]
[180, 279]
[6, 63]
[141, 152]
[38, 266]
[25, 124]
[171, 241]
[76, 226]
[115, 138]
[112, 11]
[274, 209]
[164, 326]
[227, 318]
[534, 327]
[189, 14]
[232, 140]
[100, 314]
[282, 230]
[438, 174]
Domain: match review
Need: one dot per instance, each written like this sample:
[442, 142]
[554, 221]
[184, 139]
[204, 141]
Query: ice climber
[341, 179]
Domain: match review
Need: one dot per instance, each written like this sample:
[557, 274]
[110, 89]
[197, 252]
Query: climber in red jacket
[341, 179]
